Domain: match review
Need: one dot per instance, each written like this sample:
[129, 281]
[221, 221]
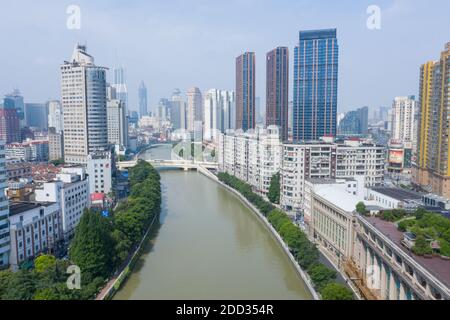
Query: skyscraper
[194, 111]
[277, 92]
[120, 85]
[15, 100]
[315, 85]
[143, 111]
[178, 111]
[432, 168]
[55, 116]
[245, 91]
[218, 111]
[117, 123]
[83, 98]
[403, 111]
[36, 115]
[354, 122]
[9, 122]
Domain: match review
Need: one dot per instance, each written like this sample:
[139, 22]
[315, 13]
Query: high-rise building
[4, 211]
[245, 91]
[164, 109]
[178, 111]
[432, 168]
[218, 113]
[15, 100]
[117, 123]
[315, 85]
[143, 111]
[55, 144]
[277, 89]
[403, 111]
[83, 90]
[194, 111]
[120, 85]
[36, 115]
[354, 122]
[55, 116]
[9, 125]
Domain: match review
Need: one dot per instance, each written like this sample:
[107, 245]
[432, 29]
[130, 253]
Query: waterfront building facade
[117, 123]
[35, 228]
[99, 169]
[253, 156]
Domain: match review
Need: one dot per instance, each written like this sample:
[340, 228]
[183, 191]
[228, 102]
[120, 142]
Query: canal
[208, 245]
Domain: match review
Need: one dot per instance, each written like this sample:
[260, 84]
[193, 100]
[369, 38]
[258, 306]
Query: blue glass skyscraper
[315, 85]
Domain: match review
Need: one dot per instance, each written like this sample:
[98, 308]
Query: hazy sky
[183, 43]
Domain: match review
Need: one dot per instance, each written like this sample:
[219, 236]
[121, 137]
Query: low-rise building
[17, 170]
[394, 198]
[71, 191]
[35, 227]
[99, 169]
[388, 268]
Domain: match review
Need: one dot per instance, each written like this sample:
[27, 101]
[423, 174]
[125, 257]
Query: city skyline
[371, 50]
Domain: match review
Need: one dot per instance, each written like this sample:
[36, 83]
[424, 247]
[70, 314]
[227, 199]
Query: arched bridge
[175, 164]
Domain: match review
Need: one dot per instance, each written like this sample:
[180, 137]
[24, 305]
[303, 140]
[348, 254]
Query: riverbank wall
[304, 276]
[114, 284]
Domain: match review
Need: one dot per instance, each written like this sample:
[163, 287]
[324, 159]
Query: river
[209, 245]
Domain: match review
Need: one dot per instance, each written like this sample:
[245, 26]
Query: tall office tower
[277, 89]
[403, 112]
[4, 212]
[228, 101]
[83, 91]
[194, 108]
[178, 111]
[117, 123]
[218, 113]
[432, 168]
[55, 116]
[9, 123]
[315, 85]
[36, 115]
[143, 111]
[15, 100]
[120, 85]
[245, 91]
[164, 109]
[354, 122]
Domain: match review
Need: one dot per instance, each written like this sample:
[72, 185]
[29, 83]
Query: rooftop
[398, 194]
[436, 266]
[21, 207]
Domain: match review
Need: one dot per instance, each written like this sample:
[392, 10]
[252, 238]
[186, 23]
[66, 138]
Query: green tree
[274, 189]
[5, 279]
[336, 291]
[44, 262]
[321, 275]
[92, 247]
[21, 286]
[421, 246]
[361, 208]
